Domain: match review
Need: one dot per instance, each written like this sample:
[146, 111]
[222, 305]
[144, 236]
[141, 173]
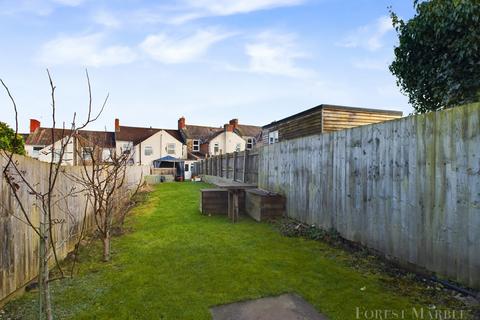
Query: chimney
[228, 128]
[34, 124]
[234, 123]
[117, 125]
[181, 123]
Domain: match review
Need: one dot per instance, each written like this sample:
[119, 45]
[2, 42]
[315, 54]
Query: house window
[171, 148]
[148, 151]
[87, 153]
[250, 143]
[186, 167]
[106, 155]
[36, 151]
[216, 148]
[56, 156]
[125, 149]
[238, 147]
[196, 145]
[273, 137]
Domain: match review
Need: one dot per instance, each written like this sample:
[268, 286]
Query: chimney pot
[181, 123]
[234, 123]
[34, 124]
[117, 125]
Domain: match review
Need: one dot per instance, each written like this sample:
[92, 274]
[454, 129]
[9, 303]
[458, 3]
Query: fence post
[220, 173]
[229, 165]
[235, 166]
[245, 154]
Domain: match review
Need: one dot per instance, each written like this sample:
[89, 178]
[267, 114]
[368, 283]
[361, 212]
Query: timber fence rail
[19, 243]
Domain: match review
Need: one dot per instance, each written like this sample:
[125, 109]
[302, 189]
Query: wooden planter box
[215, 202]
[262, 205]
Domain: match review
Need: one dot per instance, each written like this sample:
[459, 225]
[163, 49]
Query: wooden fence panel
[18, 241]
[409, 188]
[239, 166]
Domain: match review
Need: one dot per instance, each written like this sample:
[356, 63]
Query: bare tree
[47, 198]
[104, 179]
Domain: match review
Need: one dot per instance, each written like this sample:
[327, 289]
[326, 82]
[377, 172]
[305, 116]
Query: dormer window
[196, 145]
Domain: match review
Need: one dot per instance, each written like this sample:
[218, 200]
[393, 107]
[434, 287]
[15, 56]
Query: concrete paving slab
[284, 307]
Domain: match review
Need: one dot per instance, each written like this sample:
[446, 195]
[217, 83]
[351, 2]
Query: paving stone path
[284, 307]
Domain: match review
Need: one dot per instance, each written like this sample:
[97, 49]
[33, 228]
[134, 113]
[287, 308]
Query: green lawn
[176, 263]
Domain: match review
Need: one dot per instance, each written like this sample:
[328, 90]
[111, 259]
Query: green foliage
[9, 142]
[437, 61]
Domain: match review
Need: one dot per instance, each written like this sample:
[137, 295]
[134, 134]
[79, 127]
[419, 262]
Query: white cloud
[369, 37]
[84, 50]
[188, 10]
[276, 54]
[37, 7]
[175, 49]
[229, 7]
[106, 19]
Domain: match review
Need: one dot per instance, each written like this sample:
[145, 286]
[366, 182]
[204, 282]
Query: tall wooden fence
[238, 166]
[18, 242]
[409, 188]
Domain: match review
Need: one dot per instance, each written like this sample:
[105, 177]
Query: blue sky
[207, 60]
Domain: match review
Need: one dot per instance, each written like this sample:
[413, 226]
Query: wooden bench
[262, 205]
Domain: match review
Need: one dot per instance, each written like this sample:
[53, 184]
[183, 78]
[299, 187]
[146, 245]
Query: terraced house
[203, 141]
[81, 146]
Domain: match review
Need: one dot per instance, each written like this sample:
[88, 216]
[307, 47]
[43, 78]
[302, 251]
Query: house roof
[139, 134]
[331, 106]
[43, 137]
[205, 134]
[201, 133]
[248, 131]
[104, 139]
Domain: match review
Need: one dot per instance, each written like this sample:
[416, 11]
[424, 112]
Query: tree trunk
[45, 309]
[106, 247]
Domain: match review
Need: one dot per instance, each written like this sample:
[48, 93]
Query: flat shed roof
[332, 106]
